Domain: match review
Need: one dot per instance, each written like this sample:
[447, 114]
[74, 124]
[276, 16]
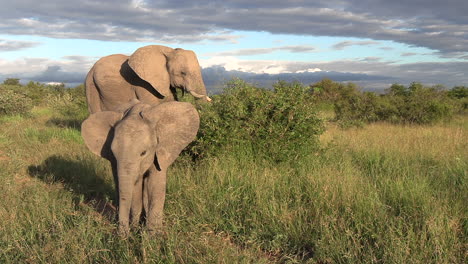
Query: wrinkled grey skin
[141, 144]
[151, 75]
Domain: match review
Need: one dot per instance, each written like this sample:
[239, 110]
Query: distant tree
[458, 92]
[33, 84]
[59, 87]
[397, 89]
[11, 81]
[328, 90]
[415, 86]
[439, 87]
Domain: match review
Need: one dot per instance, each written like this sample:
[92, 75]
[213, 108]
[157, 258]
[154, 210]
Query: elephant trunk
[126, 188]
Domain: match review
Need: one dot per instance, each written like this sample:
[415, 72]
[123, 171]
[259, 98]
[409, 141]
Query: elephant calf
[141, 144]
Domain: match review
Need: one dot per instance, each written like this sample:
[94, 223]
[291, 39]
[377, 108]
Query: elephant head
[165, 68]
[141, 143]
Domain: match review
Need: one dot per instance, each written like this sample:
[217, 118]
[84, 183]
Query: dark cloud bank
[438, 25]
[441, 26]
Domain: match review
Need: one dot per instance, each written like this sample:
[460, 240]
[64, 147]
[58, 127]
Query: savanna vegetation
[415, 104]
[298, 174]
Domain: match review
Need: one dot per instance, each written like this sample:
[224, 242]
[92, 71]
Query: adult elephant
[151, 75]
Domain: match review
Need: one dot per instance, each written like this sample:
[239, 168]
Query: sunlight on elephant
[151, 74]
[141, 144]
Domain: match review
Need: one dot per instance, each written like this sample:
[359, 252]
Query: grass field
[379, 194]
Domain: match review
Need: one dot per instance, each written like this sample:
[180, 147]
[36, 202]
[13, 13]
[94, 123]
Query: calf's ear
[176, 125]
[98, 131]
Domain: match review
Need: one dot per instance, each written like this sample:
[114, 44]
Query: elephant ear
[97, 132]
[149, 63]
[176, 125]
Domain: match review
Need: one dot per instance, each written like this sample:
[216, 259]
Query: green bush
[349, 106]
[425, 105]
[12, 102]
[11, 81]
[415, 104]
[458, 92]
[39, 93]
[460, 96]
[276, 125]
[327, 90]
[71, 103]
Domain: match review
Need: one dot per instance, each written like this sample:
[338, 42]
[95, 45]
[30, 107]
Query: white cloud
[231, 63]
[342, 45]
[70, 69]
[9, 67]
[14, 45]
[257, 51]
[309, 70]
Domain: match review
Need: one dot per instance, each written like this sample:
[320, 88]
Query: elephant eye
[143, 153]
[183, 73]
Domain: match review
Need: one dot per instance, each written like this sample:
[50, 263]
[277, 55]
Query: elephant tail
[92, 94]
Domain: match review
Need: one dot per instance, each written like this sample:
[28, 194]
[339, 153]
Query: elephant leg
[137, 202]
[145, 195]
[116, 181]
[156, 193]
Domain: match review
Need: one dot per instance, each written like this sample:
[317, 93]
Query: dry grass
[379, 194]
[440, 142]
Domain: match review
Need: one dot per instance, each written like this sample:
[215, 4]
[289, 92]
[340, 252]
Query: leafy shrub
[414, 104]
[11, 81]
[71, 103]
[425, 105]
[12, 102]
[460, 95]
[458, 92]
[39, 93]
[349, 106]
[328, 90]
[275, 125]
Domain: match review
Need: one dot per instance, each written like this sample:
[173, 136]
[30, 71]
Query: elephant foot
[124, 231]
[159, 232]
[135, 221]
[155, 227]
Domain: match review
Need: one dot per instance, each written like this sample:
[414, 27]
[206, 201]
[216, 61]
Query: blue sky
[373, 43]
[54, 48]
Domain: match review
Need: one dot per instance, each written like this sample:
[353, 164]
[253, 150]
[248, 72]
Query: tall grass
[380, 194]
[352, 203]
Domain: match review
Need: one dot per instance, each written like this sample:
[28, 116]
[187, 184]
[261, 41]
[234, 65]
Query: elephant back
[110, 83]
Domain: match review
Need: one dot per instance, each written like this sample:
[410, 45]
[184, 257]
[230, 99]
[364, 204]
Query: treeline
[413, 104]
[20, 99]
